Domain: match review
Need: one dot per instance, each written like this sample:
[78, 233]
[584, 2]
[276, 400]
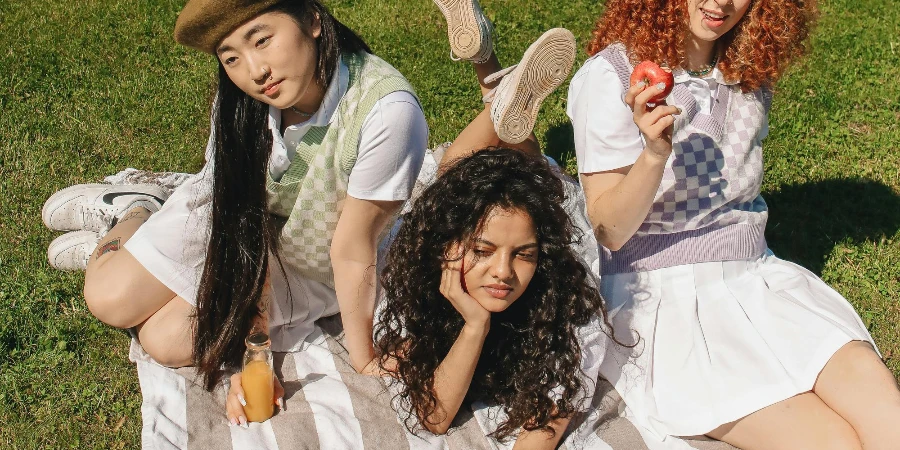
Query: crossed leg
[120, 292]
[855, 404]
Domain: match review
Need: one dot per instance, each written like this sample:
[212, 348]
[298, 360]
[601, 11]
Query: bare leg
[486, 69]
[859, 387]
[803, 422]
[121, 292]
[168, 334]
[855, 404]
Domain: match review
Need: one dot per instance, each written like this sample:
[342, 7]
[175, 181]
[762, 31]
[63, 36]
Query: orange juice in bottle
[257, 379]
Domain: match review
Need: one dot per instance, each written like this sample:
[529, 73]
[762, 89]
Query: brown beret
[203, 24]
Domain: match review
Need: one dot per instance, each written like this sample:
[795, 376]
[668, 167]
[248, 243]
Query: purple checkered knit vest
[708, 206]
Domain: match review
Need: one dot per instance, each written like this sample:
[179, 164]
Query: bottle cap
[258, 339]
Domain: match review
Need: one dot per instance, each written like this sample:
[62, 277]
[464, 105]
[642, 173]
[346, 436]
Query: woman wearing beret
[315, 144]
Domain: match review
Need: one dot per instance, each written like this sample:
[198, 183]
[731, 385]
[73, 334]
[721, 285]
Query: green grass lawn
[90, 87]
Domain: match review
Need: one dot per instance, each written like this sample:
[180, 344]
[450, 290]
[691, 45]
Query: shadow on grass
[560, 143]
[807, 220]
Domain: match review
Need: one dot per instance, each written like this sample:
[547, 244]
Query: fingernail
[679, 110]
[232, 422]
[281, 403]
[660, 86]
[241, 399]
[642, 83]
[244, 422]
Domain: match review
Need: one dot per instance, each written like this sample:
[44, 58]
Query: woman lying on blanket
[487, 302]
[735, 343]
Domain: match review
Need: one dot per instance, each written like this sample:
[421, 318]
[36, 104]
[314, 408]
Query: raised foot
[544, 67]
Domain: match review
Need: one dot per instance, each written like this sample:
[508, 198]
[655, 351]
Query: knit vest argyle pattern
[311, 194]
[708, 206]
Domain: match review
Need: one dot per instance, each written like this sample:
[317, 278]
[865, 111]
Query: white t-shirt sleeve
[606, 136]
[392, 146]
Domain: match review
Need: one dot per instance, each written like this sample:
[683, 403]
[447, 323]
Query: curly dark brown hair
[757, 51]
[532, 348]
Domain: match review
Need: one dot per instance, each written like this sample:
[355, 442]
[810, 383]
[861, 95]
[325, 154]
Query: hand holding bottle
[236, 403]
[255, 390]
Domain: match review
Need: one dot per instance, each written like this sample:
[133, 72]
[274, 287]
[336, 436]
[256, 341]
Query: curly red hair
[757, 51]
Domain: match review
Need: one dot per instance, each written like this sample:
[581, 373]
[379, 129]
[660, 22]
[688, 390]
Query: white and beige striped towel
[330, 406]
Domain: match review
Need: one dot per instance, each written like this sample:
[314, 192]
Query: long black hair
[242, 232]
[532, 350]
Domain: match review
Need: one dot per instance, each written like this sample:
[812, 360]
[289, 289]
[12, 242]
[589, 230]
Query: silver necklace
[301, 113]
[704, 70]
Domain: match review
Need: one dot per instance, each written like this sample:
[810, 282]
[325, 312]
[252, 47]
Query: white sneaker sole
[544, 67]
[462, 27]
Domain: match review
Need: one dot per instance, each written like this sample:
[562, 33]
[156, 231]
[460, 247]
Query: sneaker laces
[455, 58]
[490, 79]
[86, 257]
[92, 214]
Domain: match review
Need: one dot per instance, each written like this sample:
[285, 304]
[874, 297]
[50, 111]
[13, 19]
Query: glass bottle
[258, 377]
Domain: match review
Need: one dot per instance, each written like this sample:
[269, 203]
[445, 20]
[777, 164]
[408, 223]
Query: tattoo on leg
[111, 246]
[131, 215]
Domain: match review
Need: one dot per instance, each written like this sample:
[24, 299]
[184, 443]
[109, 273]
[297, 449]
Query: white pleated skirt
[720, 340]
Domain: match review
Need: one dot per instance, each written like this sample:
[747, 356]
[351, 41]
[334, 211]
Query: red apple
[651, 74]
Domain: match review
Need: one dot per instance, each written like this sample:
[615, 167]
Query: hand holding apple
[650, 84]
[651, 74]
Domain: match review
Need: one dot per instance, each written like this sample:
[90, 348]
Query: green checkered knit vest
[311, 193]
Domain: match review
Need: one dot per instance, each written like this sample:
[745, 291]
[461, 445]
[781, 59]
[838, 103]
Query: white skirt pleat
[717, 341]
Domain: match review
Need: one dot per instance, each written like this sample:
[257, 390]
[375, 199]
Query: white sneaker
[95, 207]
[72, 251]
[517, 99]
[469, 30]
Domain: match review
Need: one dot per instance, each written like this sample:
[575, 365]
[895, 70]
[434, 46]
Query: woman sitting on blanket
[735, 343]
[315, 145]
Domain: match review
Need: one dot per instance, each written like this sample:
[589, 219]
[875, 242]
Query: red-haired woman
[733, 342]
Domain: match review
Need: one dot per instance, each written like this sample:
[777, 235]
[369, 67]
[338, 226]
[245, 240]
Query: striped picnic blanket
[330, 406]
